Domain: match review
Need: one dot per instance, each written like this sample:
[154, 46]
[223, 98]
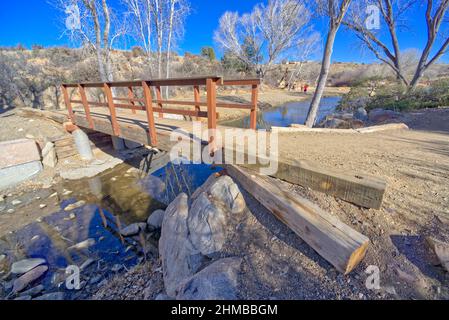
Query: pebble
[23, 266]
[10, 211]
[29, 136]
[2, 198]
[75, 205]
[2, 257]
[83, 244]
[53, 195]
[42, 206]
[35, 238]
[16, 202]
[72, 216]
[66, 192]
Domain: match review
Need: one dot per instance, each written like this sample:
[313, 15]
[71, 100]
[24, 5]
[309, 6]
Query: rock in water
[441, 250]
[83, 245]
[51, 296]
[32, 275]
[156, 218]
[133, 229]
[213, 213]
[75, 205]
[23, 266]
[219, 281]
[33, 291]
[175, 249]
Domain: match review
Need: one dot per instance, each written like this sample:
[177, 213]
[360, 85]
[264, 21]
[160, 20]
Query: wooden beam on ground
[363, 190]
[340, 245]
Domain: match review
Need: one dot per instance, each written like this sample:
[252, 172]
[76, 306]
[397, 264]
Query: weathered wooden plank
[360, 189]
[340, 245]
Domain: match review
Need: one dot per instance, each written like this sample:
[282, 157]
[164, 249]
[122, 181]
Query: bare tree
[391, 12]
[261, 38]
[435, 15]
[305, 50]
[157, 25]
[335, 10]
[97, 28]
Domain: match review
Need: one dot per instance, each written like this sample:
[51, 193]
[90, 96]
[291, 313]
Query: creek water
[287, 114]
[111, 200]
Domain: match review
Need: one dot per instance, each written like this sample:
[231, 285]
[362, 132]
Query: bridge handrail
[146, 104]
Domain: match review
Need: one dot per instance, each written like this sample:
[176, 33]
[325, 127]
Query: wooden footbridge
[136, 111]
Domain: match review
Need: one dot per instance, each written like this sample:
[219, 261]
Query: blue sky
[36, 22]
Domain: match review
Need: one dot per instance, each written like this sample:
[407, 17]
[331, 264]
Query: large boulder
[179, 258]
[218, 281]
[213, 212]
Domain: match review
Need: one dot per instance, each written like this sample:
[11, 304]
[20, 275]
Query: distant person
[306, 88]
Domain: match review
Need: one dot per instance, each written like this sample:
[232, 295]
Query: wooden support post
[110, 99]
[150, 116]
[196, 95]
[131, 98]
[339, 244]
[85, 105]
[211, 87]
[68, 104]
[254, 98]
[159, 98]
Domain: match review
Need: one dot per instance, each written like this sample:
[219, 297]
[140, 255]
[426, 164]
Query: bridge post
[110, 100]
[68, 103]
[211, 87]
[85, 105]
[254, 98]
[150, 115]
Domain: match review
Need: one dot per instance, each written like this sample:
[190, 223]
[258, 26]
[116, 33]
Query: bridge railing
[152, 100]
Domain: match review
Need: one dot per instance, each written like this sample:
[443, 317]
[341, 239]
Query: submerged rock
[33, 291]
[218, 281]
[156, 218]
[29, 277]
[83, 244]
[75, 205]
[23, 266]
[133, 229]
[174, 245]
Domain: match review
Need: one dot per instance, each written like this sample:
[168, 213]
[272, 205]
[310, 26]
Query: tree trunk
[325, 66]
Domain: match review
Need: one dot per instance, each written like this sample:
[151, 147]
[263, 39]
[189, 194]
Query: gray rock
[49, 158]
[83, 244]
[441, 251]
[225, 190]
[23, 266]
[16, 202]
[29, 277]
[361, 114]
[381, 115]
[207, 223]
[218, 281]
[175, 248]
[33, 291]
[133, 229]
[75, 205]
[24, 298]
[54, 296]
[213, 213]
[156, 218]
